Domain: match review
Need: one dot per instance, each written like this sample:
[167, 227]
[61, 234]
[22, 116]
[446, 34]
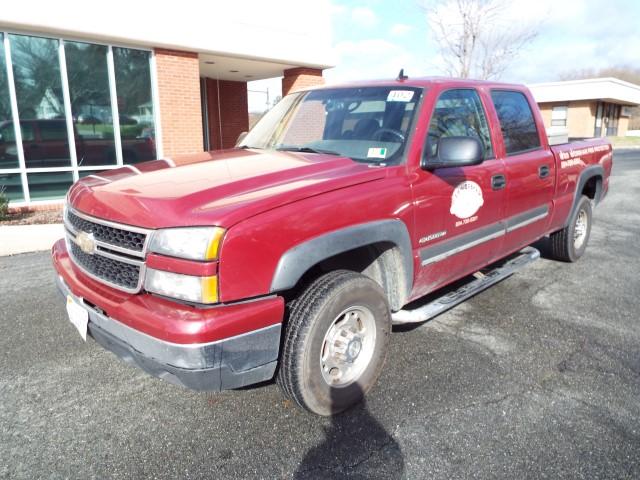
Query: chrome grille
[116, 253]
[108, 234]
[115, 272]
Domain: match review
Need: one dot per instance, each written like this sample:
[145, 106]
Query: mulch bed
[33, 218]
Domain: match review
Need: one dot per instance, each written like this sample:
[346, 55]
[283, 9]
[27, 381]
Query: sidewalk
[28, 238]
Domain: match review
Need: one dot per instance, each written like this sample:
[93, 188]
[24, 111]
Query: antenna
[401, 75]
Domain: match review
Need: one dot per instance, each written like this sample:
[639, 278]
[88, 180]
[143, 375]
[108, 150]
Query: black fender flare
[586, 175]
[299, 259]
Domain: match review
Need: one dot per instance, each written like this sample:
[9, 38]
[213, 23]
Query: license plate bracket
[78, 316]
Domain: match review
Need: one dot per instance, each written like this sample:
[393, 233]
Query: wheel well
[381, 261]
[592, 188]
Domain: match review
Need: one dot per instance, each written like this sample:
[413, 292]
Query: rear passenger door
[529, 169]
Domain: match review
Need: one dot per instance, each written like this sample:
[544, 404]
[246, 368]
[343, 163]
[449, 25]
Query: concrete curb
[630, 147]
[16, 239]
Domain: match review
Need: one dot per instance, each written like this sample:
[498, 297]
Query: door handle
[498, 182]
[544, 171]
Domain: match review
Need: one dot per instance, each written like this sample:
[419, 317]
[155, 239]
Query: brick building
[593, 107]
[93, 90]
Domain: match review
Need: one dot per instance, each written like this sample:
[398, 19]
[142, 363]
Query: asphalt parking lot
[538, 377]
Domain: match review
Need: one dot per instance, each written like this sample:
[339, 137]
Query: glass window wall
[133, 83]
[8, 149]
[90, 99]
[36, 73]
[71, 99]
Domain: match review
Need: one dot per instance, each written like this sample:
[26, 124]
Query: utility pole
[264, 92]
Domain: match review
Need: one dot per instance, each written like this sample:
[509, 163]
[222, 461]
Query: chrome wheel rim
[580, 230]
[348, 346]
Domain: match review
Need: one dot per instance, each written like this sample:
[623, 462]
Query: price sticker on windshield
[400, 96]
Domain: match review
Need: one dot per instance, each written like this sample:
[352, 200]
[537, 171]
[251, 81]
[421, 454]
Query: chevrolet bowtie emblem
[86, 242]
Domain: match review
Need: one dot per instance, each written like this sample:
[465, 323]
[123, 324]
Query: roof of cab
[422, 82]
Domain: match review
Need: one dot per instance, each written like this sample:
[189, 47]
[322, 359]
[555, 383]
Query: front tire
[335, 343]
[570, 243]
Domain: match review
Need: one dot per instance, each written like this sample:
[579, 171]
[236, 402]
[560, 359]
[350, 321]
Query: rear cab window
[51, 130]
[518, 125]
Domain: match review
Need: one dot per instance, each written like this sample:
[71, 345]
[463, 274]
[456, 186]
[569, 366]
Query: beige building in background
[594, 107]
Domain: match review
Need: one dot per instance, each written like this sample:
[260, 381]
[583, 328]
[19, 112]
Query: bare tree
[475, 38]
[622, 72]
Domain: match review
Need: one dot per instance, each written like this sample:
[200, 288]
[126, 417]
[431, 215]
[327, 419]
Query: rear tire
[570, 243]
[335, 343]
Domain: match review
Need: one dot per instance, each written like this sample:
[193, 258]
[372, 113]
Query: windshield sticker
[377, 153]
[466, 199]
[400, 96]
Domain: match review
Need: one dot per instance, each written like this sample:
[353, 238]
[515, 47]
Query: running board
[481, 282]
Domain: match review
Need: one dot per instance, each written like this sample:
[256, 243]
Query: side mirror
[456, 152]
[241, 137]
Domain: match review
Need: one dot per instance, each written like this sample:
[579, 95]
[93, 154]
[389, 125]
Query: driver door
[458, 210]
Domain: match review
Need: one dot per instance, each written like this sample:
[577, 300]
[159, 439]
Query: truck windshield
[367, 124]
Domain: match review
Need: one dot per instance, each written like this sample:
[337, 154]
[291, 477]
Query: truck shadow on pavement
[355, 445]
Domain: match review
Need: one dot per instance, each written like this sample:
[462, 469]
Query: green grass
[106, 131]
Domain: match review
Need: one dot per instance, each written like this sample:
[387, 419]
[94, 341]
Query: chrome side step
[482, 281]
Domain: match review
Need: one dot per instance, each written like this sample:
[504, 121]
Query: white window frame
[563, 119]
[74, 168]
[17, 134]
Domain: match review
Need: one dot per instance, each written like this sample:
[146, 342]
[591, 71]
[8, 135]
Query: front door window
[458, 113]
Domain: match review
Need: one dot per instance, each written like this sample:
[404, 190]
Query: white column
[114, 105]
[155, 100]
[67, 109]
[16, 121]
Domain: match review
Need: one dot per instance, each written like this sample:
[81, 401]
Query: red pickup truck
[293, 254]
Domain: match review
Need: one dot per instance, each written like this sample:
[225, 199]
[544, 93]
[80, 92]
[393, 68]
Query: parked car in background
[45, 144]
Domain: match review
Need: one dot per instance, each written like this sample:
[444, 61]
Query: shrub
[4, 203]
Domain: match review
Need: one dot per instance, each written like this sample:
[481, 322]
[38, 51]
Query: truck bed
[572, 159]
[583, 152]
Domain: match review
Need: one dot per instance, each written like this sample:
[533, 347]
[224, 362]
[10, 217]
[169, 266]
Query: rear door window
[52, 130]
[516, 120]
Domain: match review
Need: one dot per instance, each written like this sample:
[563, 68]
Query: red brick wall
[233, 111]
[179, 95]
[299, 78]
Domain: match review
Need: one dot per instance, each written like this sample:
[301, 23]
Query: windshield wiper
[307, 150]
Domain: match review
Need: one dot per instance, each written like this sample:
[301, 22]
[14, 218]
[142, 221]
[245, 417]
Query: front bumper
[232, 362]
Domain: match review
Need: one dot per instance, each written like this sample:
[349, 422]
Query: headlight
[193, 243]
[185, 287]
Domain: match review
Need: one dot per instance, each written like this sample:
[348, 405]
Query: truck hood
[219, 188]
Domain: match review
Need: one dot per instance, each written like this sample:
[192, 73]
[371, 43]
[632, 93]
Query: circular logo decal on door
[466, 199]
